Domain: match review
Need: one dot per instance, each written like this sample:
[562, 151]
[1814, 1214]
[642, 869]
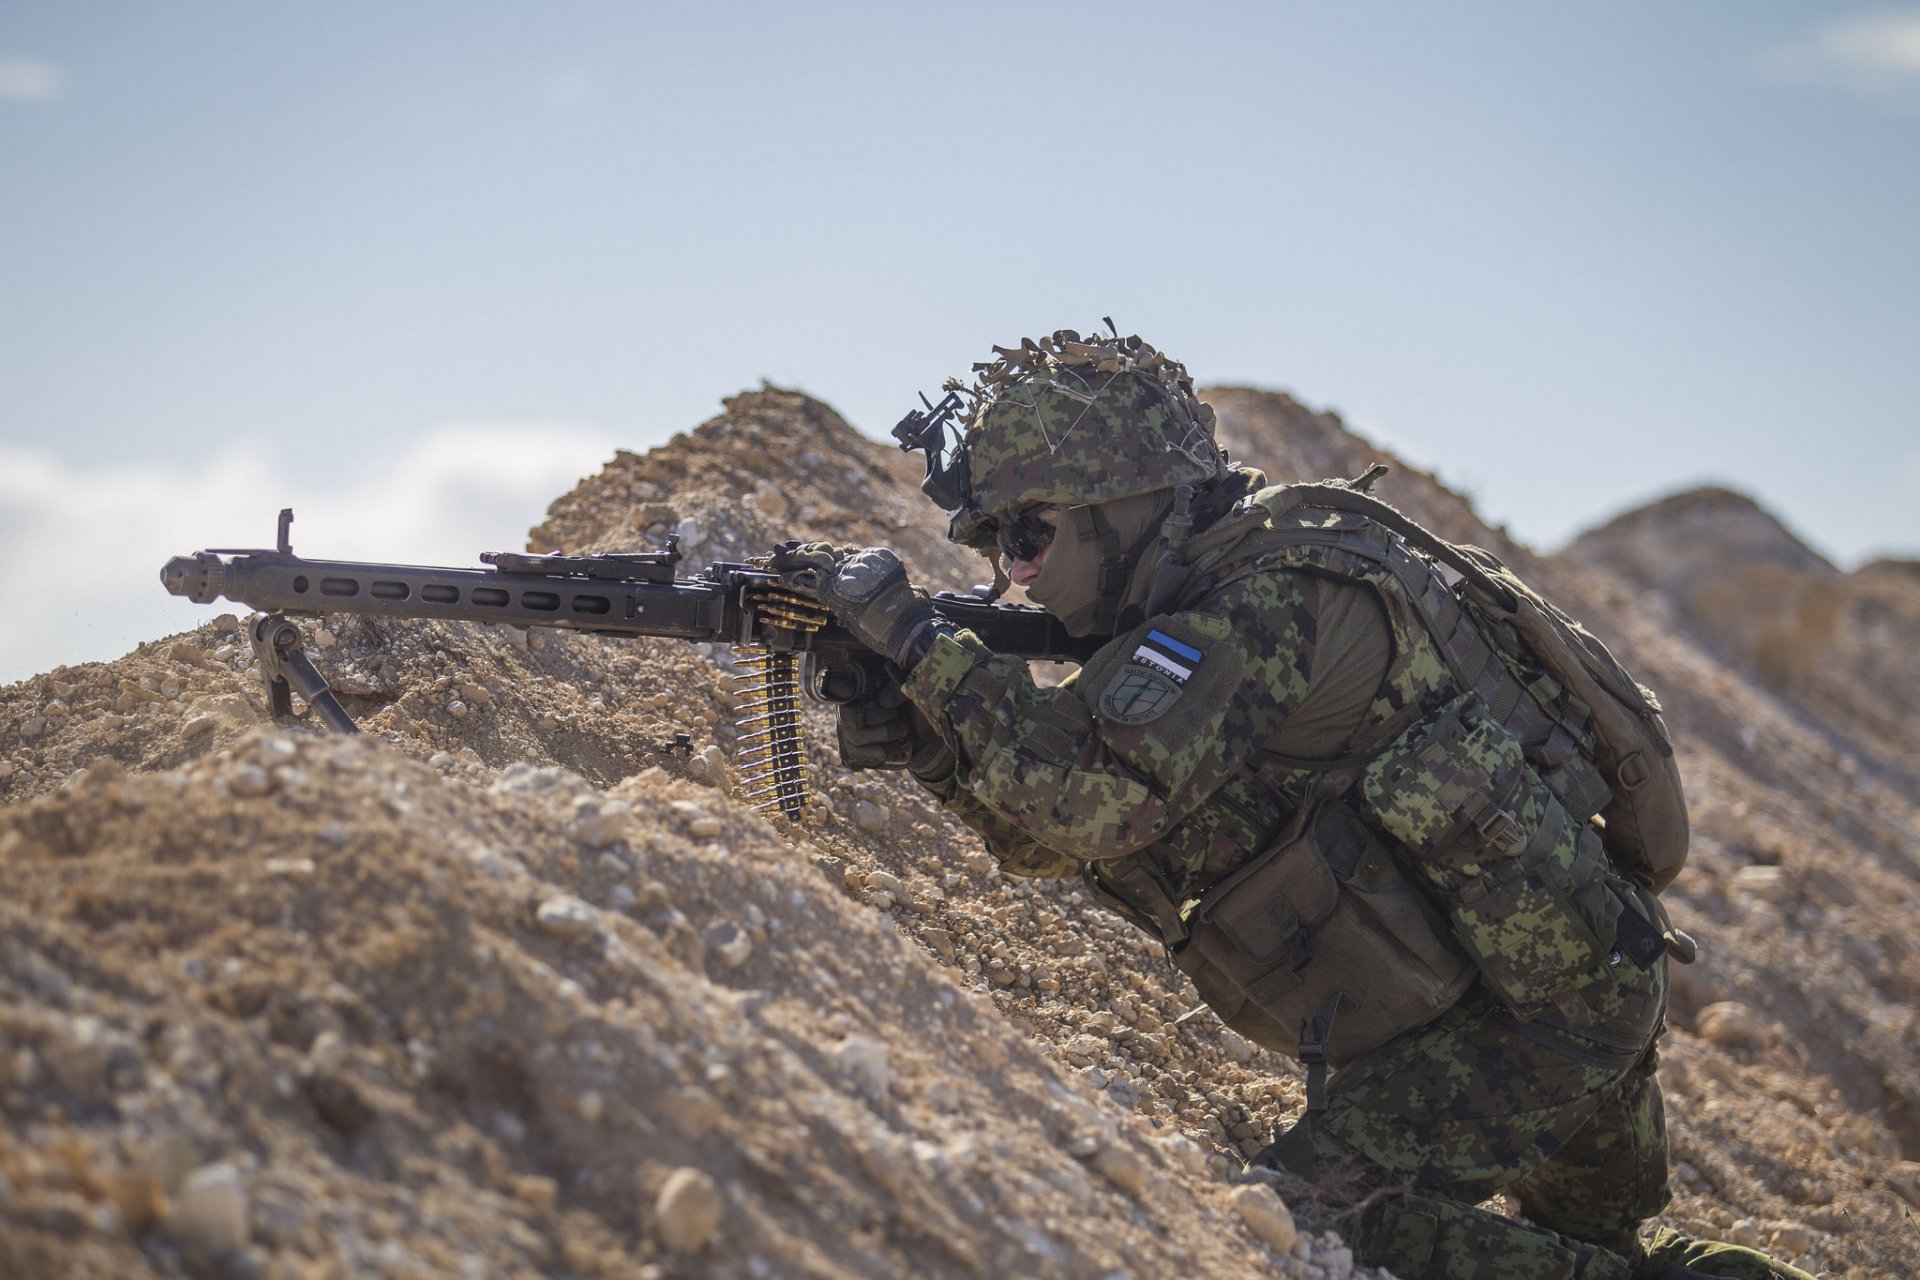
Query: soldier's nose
[1025, 571]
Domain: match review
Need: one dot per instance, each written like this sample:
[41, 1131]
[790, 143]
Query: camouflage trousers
[1563, 1114]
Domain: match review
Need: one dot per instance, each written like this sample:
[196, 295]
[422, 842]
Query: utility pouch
[1323, 912]
[1448, 788]
[1525, 887]
[1541, 925]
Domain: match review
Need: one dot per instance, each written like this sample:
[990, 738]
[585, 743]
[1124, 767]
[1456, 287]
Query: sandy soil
[499, 988]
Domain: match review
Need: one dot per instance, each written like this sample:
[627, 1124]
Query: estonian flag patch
[1171, 657]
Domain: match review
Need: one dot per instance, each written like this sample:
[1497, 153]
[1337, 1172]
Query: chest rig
[1454, 838]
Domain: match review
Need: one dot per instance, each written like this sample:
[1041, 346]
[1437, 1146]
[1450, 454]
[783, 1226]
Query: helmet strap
[1117, 565]
[1171, 574]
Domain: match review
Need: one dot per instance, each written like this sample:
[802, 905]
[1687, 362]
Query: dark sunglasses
[1026, 535]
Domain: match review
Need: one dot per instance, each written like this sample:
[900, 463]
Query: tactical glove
[884, 730]
[867, 590]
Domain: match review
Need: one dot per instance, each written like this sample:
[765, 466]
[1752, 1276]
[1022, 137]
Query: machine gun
[783, 640]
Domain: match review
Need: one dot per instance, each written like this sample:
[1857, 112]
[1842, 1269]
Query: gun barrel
[273, 582]
[196, 577]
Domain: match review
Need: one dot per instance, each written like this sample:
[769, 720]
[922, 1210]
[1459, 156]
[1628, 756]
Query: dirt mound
[504, 988]
[1740, 579]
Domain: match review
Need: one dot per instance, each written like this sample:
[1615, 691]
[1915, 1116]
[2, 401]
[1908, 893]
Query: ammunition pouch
[1323, 921]
[1525, 887]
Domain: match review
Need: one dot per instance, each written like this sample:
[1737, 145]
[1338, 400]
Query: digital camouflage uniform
[1474, 1103]
[1256, 671]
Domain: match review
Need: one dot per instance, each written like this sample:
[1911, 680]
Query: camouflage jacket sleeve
[1018, 853]
[1158, 721]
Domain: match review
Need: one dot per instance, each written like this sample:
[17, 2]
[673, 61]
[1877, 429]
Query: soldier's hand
[867, 590]
[792, 558]
[884, 730]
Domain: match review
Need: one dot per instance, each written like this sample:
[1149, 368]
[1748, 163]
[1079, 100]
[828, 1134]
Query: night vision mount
[936, 431]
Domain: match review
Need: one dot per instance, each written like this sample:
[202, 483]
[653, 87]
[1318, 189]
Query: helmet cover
[1068, 420]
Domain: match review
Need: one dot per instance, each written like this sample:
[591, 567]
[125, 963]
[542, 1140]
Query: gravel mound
[504, 987]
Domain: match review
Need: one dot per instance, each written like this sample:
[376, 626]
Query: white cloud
[1875, 54]
[84, 544]
[1878, 44]
[25, 80]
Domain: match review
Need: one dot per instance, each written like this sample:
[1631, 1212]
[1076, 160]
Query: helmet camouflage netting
[1064, 419]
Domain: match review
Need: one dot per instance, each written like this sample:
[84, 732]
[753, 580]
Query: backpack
[1489, 800]
[1644, 809]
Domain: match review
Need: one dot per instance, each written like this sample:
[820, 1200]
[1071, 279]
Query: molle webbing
[1553, 726]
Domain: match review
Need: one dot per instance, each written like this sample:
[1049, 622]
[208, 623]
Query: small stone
[567, 917]
[591, 1106]
[249, 780]
[1187, 1153]
[57, 709]
[710, 767]
[537, 1190]
[79, 1062]
[1085, 1050]
[706, 826]
[325, 639]
[1236, 1047]
[198, 725]
[1122, 1165]
[688, 1210]
[1084, 1147]
[695, 1112]
[1267, 1216]
[864, 1061]
[600, 824]
[1745, 1232]
[210, 1211]
[292, 868]
[887, 882]
[276, 750]
[869, 816]
[34, 727]
[225, 623]
[729, 942]
[1768, 883]
[7, 769]
[1731, 1023]
[1790, 1238]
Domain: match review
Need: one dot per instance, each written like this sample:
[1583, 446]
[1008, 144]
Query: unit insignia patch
[1148, 685]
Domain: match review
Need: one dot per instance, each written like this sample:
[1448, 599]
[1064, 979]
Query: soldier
[1276, 767]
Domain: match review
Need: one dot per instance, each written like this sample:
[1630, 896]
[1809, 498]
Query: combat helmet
[1061, 419]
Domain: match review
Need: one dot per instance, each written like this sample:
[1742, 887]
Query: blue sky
[413, 268]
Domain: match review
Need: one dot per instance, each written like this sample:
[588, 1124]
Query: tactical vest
[1456, 839]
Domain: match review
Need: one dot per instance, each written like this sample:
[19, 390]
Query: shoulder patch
[1150, 681]
[1139, 693]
